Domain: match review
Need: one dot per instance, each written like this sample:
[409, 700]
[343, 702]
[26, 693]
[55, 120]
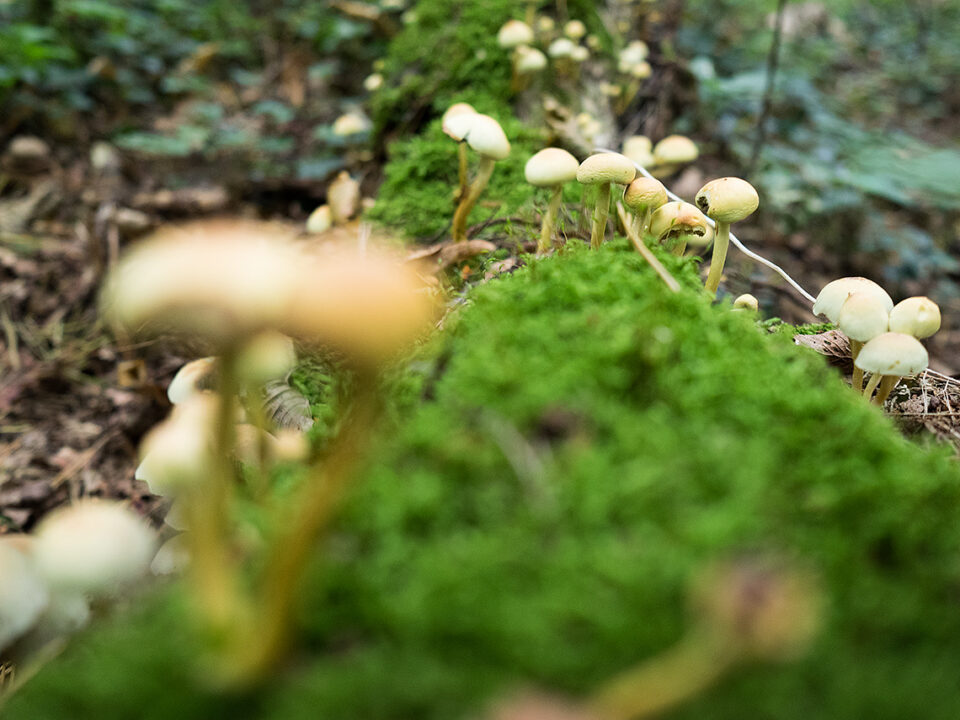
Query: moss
[588, 442]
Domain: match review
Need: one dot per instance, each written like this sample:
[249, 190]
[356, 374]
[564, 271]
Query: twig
[773, 61]
[645, 251]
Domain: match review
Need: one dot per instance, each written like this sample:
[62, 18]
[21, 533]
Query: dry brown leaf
[464, 250]
[833, 343]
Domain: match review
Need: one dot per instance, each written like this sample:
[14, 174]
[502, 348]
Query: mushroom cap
[93, 546]
[918, 316]
[459, 108]
[574, 29]
[551, 166]
[640, 70]
[606, 167]
[320, 220]
[351, 123]
[894, 354]
[513, 33]
[485, 136]
[635, 52]
[561, 48]
[580, 54]
[746, 302]
[863, 316]
[834, 295]
[639, 149]
[457, 126]
[681, 220]
[728, 199]
[23, 596]
[193, 378]
[644, 194]
[530, 60]
[675, 149]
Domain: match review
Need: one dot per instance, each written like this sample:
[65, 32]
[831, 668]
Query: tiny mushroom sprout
[550, 168]
[726, 200]
[484, 136]
[863, 316]
[917, 316]
[672, 152]
[562, 51]
[639, 149]
[834, 294]
[643, 196]
[746, 302]
[456, 129]
[514, 33]
[601, 170]
[23, 595]
[677, 224]
[890, 357]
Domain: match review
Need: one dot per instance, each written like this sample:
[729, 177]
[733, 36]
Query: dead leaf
[464, 250]
[833, 343]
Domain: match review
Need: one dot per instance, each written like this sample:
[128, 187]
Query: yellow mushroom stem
[550, 220]
[600, 213]
[886, 387]
[646, 253]
[872, 385]
[470, 199]
[719, 257]
[857, 381]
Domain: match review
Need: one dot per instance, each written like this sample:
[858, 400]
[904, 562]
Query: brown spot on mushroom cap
[728, 199]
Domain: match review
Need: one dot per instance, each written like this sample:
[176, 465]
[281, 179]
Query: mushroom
[456, 128]
[193, 378]
[672, 152]
[514, 33]
[726, 200]
[917, 316]
[643, 196]
[601, 170]
[746, 302]
[550, 168]
[526, 62]
[23, 595]
[863, 316]
[639, 149]
[320, 220]
[574, 29]
[890, 357]
[834, 294]
[561, 51]
[485, 136]
[677, 224]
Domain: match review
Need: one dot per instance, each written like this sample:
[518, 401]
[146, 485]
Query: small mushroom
[835, 293]
[677, 224]
[639, 148]
[320, 220]
[862, 317]
[672, 152]
[514, 33]
[726, 200]
[550, 168]
[193, 378]
[917, 316]
[455, 127]
[601, 170]
[746, 302]
[643, 196]
[485, 136]
[574, 29]
[527, 61]
[889, 357]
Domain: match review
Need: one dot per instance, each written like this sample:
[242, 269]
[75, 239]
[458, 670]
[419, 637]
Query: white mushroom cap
[580, 54]
[530, 60]
[746, 302]
[452, 112]
[644, 193]
[23, 595]
[178, 452]
[513, 33]
[351, 123]
[635, 52]
[486, 137]
[606, 167]
[639, 148]
[863, 316]
[561, 48]
[269, 355]
[918, 316]
[373, 82]
[551, 166]
[894, 354]
[681, 220]
[193, 378]
[320, 220]
[457, 126]
[574, 29]
[546, 24]
[728, 199]
[675, 149]
[93, 547]
[834, 295]
[641, 70]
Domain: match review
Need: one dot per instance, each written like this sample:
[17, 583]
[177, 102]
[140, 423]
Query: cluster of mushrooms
[884, 338]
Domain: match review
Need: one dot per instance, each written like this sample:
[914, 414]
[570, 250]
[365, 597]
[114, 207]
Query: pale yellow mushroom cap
[728, 199]
[675, 149]
[193, 378]
[320, 220]
[530, 60]
[746, 302]
[574, 29]
[23, 595]
[561, 48]
[639, 149]
[893, 354]
[606, 167]
[645, 194]
[514, 33]
[457, 126]
[863, 316]
[551, 166]
[917, 316]
[580, 54]
[834, 295]
[681, 221]
[634, 53]
[452, 112]
[351, 123]
[485, 136]
[641, 70]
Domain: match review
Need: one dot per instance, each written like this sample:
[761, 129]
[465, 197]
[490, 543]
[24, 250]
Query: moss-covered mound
[589, 443]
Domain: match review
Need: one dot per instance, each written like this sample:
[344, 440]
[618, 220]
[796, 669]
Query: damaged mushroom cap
[550, 167]
[645, 193]
[675, 150]
[863, 317]
[728, 199]
[513, 33]
[893, 353]
[605, 168]
[917, 316]
[834, 294]
[681, 221]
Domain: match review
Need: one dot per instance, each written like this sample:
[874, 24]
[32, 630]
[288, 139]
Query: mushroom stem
[550, 220]
[857, 380]
[600, 212]
[470, 199]
[886, 387]
[719, 257]
[647, 254]
[872, 385]
[462, 152]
